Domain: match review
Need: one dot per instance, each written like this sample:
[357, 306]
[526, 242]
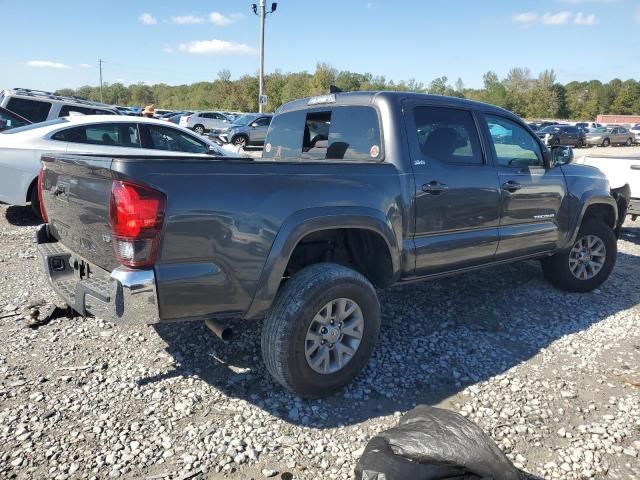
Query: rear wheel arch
[362, 226]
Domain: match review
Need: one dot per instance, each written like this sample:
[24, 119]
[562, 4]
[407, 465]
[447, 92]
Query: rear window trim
[330, 107]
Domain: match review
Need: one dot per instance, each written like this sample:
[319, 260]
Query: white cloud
[216, 47]
[525, 17]
[148, 19]
[84, 65]
[46, 64]
[187, 20]
[559, 18]
[219, 19]
[582, 19]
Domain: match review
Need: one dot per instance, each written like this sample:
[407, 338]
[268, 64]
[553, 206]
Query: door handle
[511, 186]
[434, 188]
[635, 167]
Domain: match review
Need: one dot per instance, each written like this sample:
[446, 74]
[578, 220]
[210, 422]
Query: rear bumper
[126, 296]
[634, 207]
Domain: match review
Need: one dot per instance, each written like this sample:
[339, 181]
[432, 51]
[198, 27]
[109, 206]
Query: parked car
[38, 106]
[201, 122]
[176, 117]
[562, 135]
[247, 130]
[354, 190]
[603, 137]
[636, 132]
[126, 111]
[534, 126]
[588, 125]
[21, 148]
[622, 173]
[9, 120]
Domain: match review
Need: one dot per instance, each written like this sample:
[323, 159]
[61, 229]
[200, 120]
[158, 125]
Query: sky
[51, 44]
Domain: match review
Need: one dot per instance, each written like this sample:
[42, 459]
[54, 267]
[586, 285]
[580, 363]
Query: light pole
[100, 67]
[262, 14]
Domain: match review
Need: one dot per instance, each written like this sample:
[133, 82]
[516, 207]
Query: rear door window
[34, 110]
[107, 134]
[449, 135]
[333, 134]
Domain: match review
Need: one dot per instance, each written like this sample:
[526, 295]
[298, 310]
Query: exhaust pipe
[223, 332]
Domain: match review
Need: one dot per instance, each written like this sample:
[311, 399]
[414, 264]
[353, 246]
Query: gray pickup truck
[355, 191]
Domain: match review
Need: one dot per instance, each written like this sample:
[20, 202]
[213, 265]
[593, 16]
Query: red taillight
[43, 212]
[136, 214]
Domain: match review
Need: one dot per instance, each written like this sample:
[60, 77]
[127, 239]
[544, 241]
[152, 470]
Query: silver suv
[248, 130]
[38, 106]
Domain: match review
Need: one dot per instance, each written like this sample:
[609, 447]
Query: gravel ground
[553, 377]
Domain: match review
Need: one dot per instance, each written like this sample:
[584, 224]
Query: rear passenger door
[533, 196]
[457, 196]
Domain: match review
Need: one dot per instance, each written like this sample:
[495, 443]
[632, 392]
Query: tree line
[525, 94]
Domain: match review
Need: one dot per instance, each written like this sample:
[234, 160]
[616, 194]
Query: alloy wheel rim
[587, 257]
[334, 336]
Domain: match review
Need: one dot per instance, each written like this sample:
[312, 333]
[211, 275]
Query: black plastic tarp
[434, 444]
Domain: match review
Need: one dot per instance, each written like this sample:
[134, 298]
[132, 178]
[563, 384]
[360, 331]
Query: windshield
[244, 119]
[598, 130]
[549, 129]
[33, 126]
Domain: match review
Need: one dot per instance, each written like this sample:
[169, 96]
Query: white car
[636, 132]
[201, 122]
[21, 148]
[620, 172]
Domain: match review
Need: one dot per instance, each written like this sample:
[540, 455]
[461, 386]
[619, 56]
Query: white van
[38, 106]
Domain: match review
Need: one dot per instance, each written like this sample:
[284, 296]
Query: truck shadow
[436, 339]
[20, 216]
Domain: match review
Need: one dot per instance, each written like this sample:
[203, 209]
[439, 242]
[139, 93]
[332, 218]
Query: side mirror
[213, 151]
[561, 155]
[254, 125]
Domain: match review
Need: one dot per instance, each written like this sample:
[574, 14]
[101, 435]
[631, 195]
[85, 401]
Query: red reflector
[43, 212]
[136, 215]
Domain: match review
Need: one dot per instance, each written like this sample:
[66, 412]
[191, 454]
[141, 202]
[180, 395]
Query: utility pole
[262, 14]
[100, 67]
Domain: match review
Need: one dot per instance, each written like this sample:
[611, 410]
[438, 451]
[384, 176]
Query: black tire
[199, 129]
[556, 268]
[284, 331]
[629, 142]
[606, 142]
[240, 141]
[35, 201]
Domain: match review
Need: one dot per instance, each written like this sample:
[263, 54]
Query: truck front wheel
[589, 261]
[321, 330]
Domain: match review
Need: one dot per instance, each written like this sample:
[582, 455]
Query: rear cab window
[336, 133]
[34, 110]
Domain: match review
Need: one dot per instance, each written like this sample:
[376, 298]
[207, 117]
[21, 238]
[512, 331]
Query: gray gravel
[553, 377]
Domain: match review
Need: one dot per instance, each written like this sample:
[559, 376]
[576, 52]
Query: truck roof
[384, 96]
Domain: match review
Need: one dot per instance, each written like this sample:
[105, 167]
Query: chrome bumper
[125, 296]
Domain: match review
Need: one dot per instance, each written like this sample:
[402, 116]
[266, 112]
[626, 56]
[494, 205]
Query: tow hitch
[35, 320]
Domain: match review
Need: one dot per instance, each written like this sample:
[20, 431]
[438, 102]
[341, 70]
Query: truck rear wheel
[321, 330]
[589, 261]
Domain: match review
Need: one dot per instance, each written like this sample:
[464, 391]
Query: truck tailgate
[75, 193]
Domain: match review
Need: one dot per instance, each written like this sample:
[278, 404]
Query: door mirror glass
[254, 125]
[561, 156]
